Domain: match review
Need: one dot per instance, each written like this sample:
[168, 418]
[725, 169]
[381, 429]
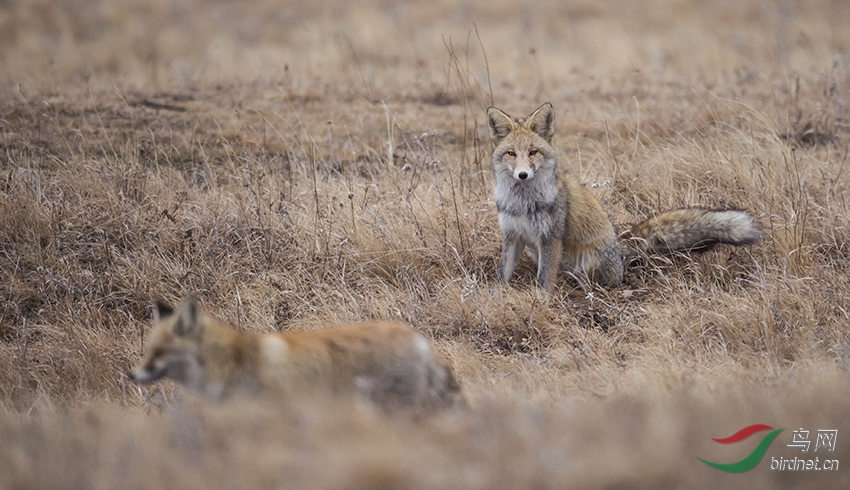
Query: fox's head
[522, 146]
[174, 345]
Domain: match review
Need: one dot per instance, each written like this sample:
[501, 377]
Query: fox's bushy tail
[690, 230]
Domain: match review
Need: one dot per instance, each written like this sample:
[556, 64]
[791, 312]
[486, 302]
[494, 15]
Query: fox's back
[588, 225]
[356, 346]
[379, 359]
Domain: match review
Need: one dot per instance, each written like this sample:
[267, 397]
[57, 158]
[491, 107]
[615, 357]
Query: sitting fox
[390, 363]
[546, 211]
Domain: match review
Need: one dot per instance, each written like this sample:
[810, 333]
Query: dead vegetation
[303, 166]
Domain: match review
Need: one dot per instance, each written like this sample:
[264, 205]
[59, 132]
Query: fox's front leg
[548, 262]
[511, 248]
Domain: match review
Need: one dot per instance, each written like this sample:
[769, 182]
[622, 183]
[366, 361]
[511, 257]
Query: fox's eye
[510, 153]
[532, 153]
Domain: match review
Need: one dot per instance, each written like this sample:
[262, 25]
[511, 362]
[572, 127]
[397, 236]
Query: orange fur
[390, 363]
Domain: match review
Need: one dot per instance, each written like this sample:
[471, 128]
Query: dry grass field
[296, 164]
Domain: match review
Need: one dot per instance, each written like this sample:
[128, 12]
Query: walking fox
[390, 363]
[548, 212]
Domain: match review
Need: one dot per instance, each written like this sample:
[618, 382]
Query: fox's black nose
[522, 176]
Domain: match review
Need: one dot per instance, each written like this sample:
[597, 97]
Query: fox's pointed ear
[187, 321]
[161, 310]
[542, 122]
[500, 123]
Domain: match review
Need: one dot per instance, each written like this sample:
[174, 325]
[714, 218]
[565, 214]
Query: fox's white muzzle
[523, 173]
[142, 375]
